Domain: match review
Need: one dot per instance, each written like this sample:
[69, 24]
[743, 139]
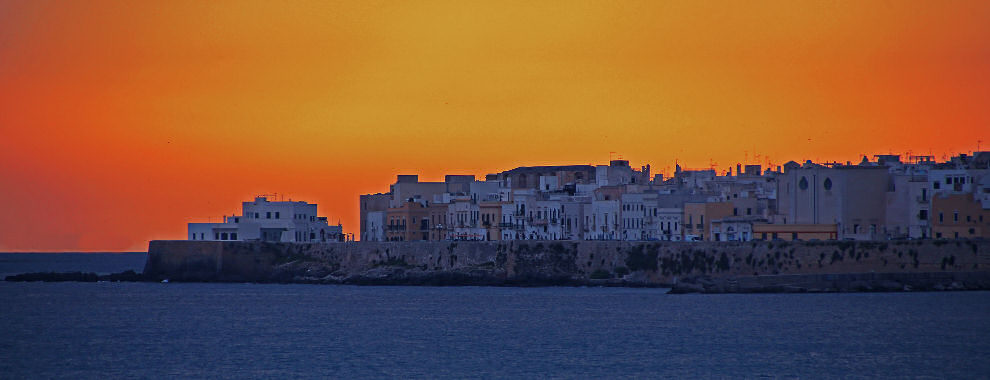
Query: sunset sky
[122, 121]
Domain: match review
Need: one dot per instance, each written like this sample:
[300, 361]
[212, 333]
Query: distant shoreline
[824, 283]
[71, 252]
[697, 267]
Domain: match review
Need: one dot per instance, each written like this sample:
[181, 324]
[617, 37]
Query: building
[795, 232]
[873, 200]
[409, 221]
[264, 220]
[735, 228]
[374, 229]
[698, 219]
[853, 197]
[370, 203]
[959, 216]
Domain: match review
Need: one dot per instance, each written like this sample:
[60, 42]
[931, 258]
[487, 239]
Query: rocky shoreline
[381, 277]
[125, 276]
[819, 283]
[700, 267]
[837, 283]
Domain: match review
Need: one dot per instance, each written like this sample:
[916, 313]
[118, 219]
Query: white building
[270, 221]
[374, 226]
[669, 222]
[603, 220]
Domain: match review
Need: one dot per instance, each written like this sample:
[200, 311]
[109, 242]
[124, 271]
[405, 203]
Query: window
[968, 218]
[940, 217]
[735, 211]
[948, 180]
[216, 236]
[749, 211]
[276, 215]
[937, 185]
[268, 215]
[972, 231]
[828, 184]
[803, 184]
[223, 236]
[923, 215]
[202, 236]
[955, 216]
[237, 220]
[233, 236]
[794, 236]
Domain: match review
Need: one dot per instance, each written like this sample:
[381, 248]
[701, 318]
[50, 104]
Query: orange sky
[122, 121]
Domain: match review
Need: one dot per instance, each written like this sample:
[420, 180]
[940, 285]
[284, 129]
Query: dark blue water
[100, 263]
[91, 330]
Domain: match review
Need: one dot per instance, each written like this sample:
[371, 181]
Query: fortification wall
[643, 263]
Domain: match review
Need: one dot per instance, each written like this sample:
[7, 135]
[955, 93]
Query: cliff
[703, 266]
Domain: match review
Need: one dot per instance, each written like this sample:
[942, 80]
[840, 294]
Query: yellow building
[491, 216]
[409, 222]
[698, 217]
[957, 216]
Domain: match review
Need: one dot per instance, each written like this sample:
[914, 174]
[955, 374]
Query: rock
[54, 277]
[889, 286]
[686, 287]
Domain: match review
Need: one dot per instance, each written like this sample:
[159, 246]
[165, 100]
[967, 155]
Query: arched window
[828, 184]
[803, 184]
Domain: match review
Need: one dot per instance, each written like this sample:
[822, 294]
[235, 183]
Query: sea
[211, 330]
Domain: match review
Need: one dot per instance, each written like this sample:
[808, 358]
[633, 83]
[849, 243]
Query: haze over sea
[150, 330]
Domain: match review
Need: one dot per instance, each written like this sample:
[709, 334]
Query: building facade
[274, 221]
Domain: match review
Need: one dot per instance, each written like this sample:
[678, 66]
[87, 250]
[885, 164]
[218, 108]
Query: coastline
[712, 267]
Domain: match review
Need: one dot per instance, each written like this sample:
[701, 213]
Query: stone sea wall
[700, 266]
